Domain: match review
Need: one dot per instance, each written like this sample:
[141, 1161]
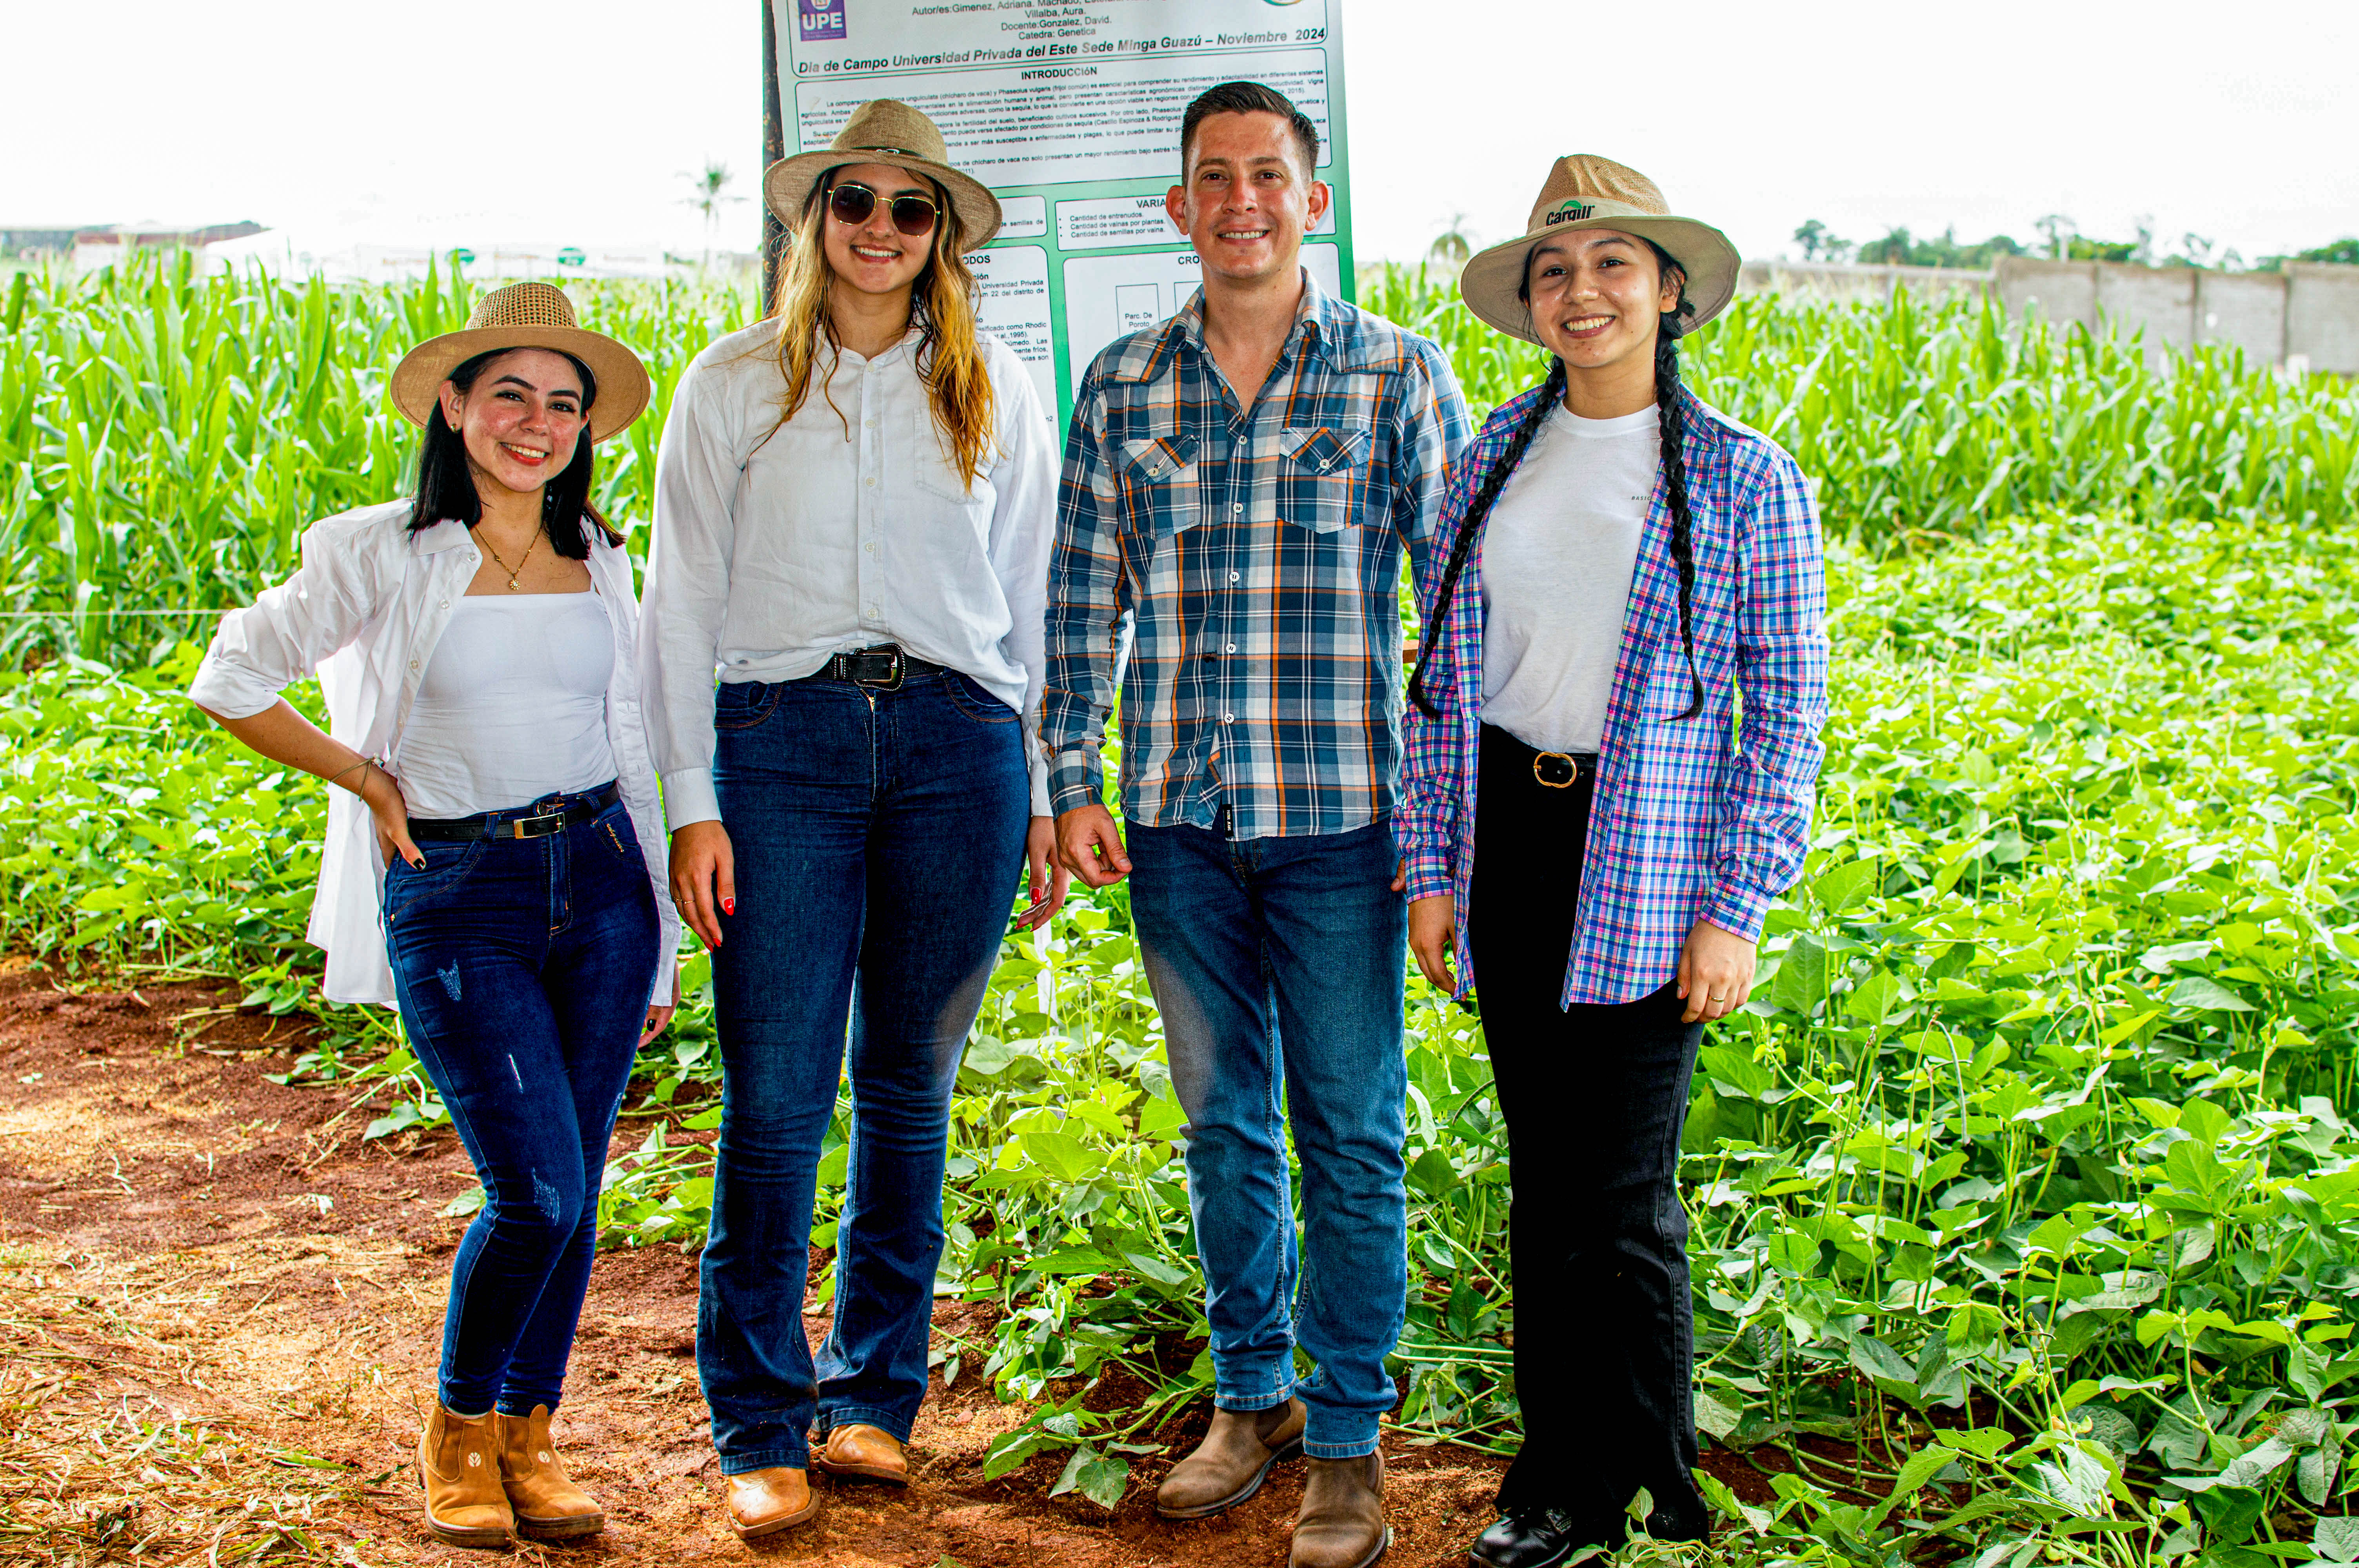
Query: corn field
[164, 438]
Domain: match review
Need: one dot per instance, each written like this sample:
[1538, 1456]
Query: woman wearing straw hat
[495, 851]
[1626, 562]
[853, 513]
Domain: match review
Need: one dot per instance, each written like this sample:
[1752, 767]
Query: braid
[1552, 393]
[1672, 422]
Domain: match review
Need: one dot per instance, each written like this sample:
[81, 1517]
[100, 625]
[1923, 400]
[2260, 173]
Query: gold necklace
[517, 570]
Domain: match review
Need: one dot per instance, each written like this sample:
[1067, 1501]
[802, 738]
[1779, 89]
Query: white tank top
[512, 705]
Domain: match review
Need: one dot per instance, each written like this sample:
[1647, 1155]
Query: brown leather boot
[459, 1466]
[547, 1504]
[862, 1452]
[1341, 1523]
[1233, 1461]
[763, 1502]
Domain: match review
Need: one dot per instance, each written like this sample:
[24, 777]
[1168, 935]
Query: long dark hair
[1671, 430]
[446, 483]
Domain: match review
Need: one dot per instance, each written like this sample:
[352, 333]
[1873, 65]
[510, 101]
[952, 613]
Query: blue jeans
[879, 840]
[1303, 940]
[523, 968]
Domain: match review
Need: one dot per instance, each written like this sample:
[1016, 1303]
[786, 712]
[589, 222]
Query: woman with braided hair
[1626, 564]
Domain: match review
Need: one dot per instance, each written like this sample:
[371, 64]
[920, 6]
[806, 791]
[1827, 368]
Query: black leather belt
[882, 668]
[538, 826]
[1562, 770]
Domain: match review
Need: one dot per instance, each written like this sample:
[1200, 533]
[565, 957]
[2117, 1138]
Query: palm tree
[709, 198]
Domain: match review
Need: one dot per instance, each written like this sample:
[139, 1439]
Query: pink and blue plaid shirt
[1688, 821]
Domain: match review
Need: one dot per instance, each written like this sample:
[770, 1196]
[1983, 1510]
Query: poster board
[1070, 113]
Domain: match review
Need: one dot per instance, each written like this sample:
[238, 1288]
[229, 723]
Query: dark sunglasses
[853, 203]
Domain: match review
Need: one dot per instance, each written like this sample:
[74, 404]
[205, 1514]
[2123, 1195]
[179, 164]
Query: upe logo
[1572, 211]
[820, 19]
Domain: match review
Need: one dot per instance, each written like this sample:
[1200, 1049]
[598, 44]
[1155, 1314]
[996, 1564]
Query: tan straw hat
[525, 316]
[885, 130]
[1584, 191]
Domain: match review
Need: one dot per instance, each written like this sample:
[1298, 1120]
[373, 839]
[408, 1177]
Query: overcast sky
[2237, 123]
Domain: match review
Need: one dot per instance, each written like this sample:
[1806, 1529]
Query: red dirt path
[181, 1239]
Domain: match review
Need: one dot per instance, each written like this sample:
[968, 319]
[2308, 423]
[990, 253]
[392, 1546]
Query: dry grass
[119, 1441]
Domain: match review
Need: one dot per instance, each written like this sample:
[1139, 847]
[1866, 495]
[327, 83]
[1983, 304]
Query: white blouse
[512, 705]
[365, 611]
[778, 545]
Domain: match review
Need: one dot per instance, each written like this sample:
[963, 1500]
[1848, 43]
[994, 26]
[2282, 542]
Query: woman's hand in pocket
[381, 792]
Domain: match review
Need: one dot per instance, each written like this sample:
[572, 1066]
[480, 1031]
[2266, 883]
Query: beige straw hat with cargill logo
[525, 316]
[1584, 191]
[886, 131]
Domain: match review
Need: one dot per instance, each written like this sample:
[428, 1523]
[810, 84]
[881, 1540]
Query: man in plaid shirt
[1240, 482]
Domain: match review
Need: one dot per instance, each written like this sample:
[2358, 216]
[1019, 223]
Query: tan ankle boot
[458, 1465]
[1341, 1522]
[1233, 1461]
[763, 1502]
[867, 1453]
[549, 1506]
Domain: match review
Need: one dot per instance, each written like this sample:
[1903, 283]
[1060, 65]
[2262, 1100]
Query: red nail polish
[728, 906]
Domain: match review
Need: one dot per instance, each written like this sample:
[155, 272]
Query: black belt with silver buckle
[880, 668]
[538, 826]
[1562, 770]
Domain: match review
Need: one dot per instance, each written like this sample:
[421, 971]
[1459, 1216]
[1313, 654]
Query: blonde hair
[948, 356]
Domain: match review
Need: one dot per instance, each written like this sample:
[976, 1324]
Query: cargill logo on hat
[817, 19]
[1572, 211]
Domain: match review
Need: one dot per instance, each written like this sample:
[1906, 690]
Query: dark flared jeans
[878, 838]
[523, 968]
[1594, 1098]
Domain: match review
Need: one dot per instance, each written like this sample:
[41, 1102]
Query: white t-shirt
[512, 705]
[1558, 554]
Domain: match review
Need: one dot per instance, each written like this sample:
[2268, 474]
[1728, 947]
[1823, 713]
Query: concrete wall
[2321, 315]
[2159, 300]
[2058, 291]
[1832, 280]
[2244, 310]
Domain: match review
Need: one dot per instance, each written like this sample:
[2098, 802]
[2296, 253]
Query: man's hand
[1434, 938]
[703, 878]
[1045, 876]
[1715, 972]
[1090, 845]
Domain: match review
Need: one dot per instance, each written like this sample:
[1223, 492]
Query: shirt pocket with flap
[1319, 471]
[1159, 484]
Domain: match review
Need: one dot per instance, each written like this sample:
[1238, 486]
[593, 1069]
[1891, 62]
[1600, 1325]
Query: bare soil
[220, 1310]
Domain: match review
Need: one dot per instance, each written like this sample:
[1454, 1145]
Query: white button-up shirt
[779, 546]
[365, 611]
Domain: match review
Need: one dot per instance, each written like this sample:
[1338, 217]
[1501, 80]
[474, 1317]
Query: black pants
[1594, 1098]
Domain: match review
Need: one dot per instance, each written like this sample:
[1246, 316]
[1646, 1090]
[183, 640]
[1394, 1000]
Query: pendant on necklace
[512, 586]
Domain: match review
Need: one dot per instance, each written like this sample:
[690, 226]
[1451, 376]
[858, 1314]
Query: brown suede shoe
[1341, 1523]
[549, 1506]
[763, 1502]
[1233, 1461]
[862, 1453]
[459, 1466]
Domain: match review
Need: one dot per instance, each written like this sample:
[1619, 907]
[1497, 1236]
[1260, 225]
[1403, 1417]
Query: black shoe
[1529, 1538]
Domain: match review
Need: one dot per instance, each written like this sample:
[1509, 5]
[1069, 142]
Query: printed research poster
[1070, 113]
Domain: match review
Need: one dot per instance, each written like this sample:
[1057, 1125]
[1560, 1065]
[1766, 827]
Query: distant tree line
[2060, 238]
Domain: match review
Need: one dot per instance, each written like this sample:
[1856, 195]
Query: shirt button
[1230, 649]
[871, 479]
[1233, 510]
[870, 546]
[446, 604]
[413, 663]
[1233, 577]
[872, 424]
[1228, 718]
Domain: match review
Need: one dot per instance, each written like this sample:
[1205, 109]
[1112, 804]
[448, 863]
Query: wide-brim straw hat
[1584, 191]
[525, 316]
[886, 130]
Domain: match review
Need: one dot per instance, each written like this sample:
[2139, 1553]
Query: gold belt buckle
[556, 819]
[1555, 769]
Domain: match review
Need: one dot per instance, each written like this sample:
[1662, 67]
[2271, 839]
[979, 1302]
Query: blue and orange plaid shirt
[1686, 823]
[1258, 554]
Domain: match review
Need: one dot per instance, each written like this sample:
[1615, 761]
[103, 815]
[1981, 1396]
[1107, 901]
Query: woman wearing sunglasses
[854, 504]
